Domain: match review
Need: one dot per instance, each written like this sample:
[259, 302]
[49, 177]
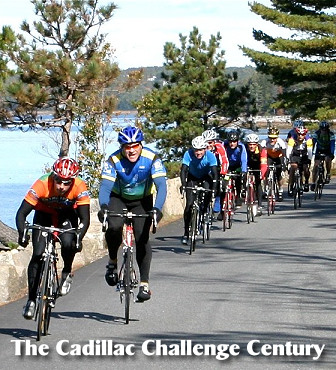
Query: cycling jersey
[199, 168]
[222, 159]
[257, 160]
[324, 142]
[42, 195]
[237, 156]
[275, 150]
[297, 150]
[133, 180]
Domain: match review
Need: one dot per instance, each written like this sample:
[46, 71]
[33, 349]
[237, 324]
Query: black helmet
[324, 124]
[233, 136]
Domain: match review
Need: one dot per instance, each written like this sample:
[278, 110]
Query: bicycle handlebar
[50, 230]
[129, 215]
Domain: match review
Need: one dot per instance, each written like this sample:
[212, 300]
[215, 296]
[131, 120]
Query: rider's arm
[84, 218]
[214, 175]
[263, 162]
[310, 149]
[243, 158]
[161, 188]
[184, 174]
[21, 216]
[332, 143]
[290, 147]
[107, 183]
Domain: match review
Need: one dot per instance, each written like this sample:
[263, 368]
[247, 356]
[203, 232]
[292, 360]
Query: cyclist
[199, 167]
[276, 155]
[324, 143]
[299, 153]
[256, 160]
[292, 133]
[129, 177]
[61, 199]
[237, 156]
[217, 147]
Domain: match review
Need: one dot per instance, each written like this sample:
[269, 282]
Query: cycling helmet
[233, 136]
[199, 143]
[66, 168]
[273, 132]
[209, 135]
[297, 123]
[252, 138]
[324, 124]
[301, 130]
[130, 134]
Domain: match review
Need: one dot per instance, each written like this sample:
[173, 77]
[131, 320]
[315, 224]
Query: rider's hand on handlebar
[101, 212]
[23, 242]
[159, 214]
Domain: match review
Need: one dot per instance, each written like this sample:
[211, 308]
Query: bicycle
[201, 219]
[49, 284]
[250, 197]
[272, 190]
[127, 277]
[320, 178]
[297, 187]
[228, 206]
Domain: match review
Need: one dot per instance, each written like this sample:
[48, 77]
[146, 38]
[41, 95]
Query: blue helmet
[298, 123]
[130, 134]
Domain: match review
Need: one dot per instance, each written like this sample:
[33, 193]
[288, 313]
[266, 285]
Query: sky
[140, 28]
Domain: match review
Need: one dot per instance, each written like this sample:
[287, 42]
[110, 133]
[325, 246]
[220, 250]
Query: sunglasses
[132, 146]
[58, 180]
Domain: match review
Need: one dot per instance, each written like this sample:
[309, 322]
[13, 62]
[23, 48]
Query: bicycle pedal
[52, 304]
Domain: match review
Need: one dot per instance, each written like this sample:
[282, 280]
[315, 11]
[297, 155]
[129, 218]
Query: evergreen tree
[196, 92]
[64, 66]
[303, 64]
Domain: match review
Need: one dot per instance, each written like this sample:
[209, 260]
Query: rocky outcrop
[13, 263]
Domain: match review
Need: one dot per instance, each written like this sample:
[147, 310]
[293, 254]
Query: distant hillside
[246, 75]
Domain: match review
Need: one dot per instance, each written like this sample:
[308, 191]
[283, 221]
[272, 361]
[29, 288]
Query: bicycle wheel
[193, 230]
[51, 293]
[230, 210]
[127, 283]
[225, 211]
[270, 199]
[42, 299]
[300, 193]
[295, 194]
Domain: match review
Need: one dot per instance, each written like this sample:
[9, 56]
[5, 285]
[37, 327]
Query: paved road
[272, 281]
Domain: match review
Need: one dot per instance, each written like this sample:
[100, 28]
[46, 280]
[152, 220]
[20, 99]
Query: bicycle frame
[297, 187]
[320, 178]
[250, 197]
[127, 277]
[272, 189]
[229, 200]
[201, 219]
[48, 287]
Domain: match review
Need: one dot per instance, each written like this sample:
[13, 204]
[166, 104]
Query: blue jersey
[237, 157]
[199, 168]
[133, 180]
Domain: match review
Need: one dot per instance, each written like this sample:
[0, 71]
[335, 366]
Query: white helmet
[209, 135]
[199, 143]
[252, 138]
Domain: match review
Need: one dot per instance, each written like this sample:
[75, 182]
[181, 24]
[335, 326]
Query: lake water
[25, 155]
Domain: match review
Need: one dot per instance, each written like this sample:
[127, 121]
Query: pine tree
[64, 66]
[303, 64]
[196, 92]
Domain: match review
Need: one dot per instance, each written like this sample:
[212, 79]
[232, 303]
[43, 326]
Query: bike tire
[231, 210]
[193, 231]
[51, 295]
[127, 284]
[270, 196]
[225, 211]
[42, 300]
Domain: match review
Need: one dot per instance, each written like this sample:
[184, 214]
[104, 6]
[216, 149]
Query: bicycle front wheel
[42, 301]
[193, 231]
[127, 284]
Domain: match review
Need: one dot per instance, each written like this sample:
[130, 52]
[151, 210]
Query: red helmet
[66, 168]
[301, 130]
